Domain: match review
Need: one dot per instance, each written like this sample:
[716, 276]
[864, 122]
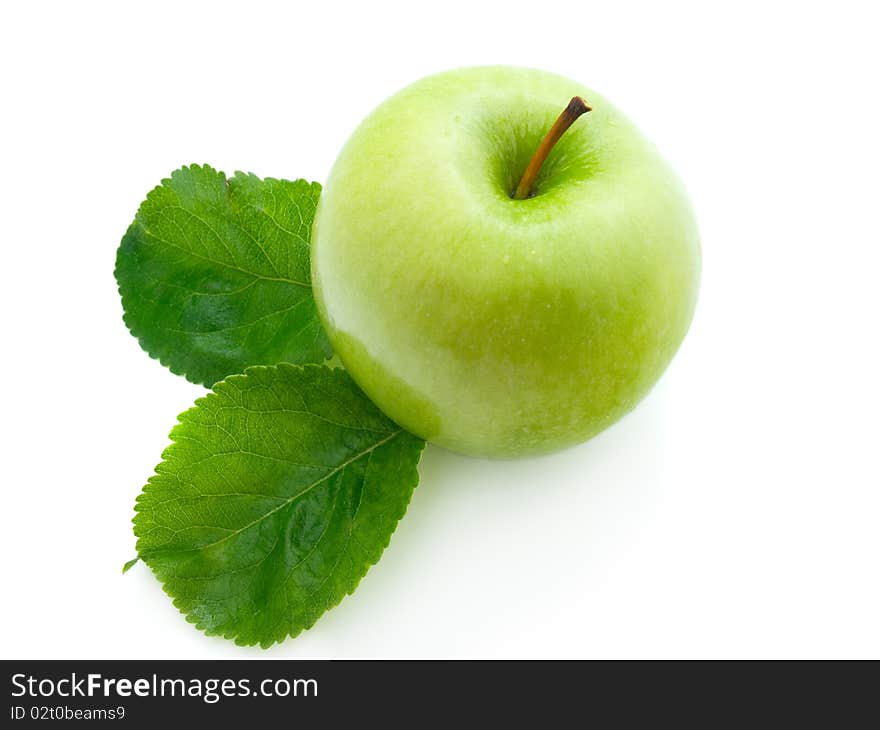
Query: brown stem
[575, 108]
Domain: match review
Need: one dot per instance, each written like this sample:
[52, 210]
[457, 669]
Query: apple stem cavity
[576, 107]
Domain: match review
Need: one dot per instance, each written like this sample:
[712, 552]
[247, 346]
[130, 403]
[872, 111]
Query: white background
[735, 513]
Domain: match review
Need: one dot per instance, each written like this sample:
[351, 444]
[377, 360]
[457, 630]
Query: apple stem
[575, 108]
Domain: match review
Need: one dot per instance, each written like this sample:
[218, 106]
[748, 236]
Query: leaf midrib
[288, 501]
[232, 267]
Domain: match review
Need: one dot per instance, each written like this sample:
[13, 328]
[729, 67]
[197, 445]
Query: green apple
[491, 325]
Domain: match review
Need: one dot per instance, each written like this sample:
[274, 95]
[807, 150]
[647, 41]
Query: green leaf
[214, 274]
[281, 488]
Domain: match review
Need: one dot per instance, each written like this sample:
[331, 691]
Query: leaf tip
[129, 565]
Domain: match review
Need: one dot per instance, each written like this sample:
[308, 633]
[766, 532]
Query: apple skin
[492, 326]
